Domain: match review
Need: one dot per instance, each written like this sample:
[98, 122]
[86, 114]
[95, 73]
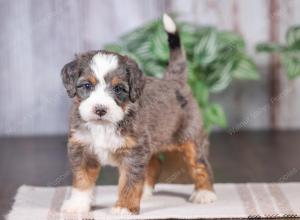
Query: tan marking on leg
[85, 177]
[129, 193]
[152, 171]
[198, 171]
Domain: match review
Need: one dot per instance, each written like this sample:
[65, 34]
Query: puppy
[120, 117]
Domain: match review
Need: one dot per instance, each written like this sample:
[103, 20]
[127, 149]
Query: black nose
[101, 111]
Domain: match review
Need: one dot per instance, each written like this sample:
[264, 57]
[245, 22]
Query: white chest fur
[103, 141]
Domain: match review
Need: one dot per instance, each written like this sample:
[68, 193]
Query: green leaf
[214, 114]
[220, 78]
[154, 69]
[144, 51]
[201, 93]
[291, 62]
[160, 46]
[230, 41]
[114, 47]
[205, 50]
[268, 47]
[293, 37]
[245, 69]
[188, 37]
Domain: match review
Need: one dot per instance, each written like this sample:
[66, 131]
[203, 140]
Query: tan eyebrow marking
[92, 79]
[115, 80]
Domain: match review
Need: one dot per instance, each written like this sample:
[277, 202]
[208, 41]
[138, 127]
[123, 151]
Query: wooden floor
[263, 156]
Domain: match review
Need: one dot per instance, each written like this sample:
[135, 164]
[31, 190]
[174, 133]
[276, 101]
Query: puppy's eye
[87, 86]
[118, 89]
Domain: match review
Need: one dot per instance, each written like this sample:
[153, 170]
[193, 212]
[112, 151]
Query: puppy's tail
[177, 68]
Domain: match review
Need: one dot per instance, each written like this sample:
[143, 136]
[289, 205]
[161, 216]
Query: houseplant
[215, 58]
[289, 52]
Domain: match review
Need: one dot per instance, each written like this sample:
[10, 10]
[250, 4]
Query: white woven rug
[169, 201]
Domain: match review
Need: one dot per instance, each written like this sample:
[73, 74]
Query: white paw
[147, 191]
[203, 196]
[120, 211]
[79, 202]
[73, 206]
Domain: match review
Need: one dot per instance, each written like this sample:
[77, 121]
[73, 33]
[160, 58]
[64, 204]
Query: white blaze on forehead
[102, 63]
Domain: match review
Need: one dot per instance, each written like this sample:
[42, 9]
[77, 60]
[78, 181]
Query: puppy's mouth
[100, 121]
[96, 120]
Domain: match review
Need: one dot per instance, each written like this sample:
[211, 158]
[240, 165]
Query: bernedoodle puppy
[121, 117]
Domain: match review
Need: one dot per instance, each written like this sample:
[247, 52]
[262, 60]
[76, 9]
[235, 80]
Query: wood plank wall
[38, 37]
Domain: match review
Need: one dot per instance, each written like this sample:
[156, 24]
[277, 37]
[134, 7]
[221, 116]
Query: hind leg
[200, 171]
[152, 173]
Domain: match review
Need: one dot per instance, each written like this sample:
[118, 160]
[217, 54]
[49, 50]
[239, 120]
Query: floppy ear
[136, 79]
[70, 74]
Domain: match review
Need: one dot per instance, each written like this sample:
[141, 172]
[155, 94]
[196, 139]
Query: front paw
[117, 210]
[147, 191]
[203, 196]
[74, 206]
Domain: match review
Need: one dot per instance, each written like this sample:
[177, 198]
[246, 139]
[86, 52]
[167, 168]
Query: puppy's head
[104, 83]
